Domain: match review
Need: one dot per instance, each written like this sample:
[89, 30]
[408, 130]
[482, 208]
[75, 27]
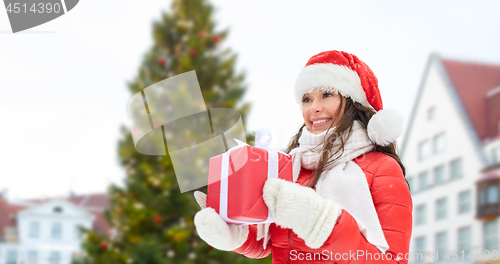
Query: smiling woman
[348, 181]
[349, 191]
[321, 110]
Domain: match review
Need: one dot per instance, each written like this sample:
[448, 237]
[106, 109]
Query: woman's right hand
[214, 230]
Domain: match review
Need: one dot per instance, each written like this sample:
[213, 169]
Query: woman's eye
[327, 95]
[305, 100]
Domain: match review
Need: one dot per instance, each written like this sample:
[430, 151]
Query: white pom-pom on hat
[385, 126]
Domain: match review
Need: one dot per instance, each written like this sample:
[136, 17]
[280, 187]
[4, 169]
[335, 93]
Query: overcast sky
[63, 83]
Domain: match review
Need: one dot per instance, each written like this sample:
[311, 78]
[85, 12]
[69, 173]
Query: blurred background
[75, 189]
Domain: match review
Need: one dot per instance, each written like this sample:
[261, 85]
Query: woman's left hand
[300, 208]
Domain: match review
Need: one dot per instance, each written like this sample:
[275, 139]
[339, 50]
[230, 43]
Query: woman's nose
[316, 106]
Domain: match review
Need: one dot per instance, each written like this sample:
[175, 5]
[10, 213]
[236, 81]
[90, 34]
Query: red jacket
[346, 244]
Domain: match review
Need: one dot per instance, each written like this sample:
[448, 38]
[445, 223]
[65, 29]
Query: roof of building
[488, 177]
[477, 85]
[100, 224]
[476, 91]
[93, 203]
[7, 213]
[90, 201]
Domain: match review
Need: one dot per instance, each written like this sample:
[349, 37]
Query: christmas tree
[152, 221]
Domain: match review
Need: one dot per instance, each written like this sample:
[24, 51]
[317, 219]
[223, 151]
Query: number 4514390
[35, 8]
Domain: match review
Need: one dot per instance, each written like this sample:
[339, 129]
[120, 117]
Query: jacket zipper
[290, 243]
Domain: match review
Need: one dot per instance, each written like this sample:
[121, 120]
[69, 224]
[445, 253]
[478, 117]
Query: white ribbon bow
[272, 173]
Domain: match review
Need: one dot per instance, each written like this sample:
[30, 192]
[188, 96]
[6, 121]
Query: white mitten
[300, 208]
[214, 230]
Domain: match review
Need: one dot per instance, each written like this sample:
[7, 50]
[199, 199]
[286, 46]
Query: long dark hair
[353, 111]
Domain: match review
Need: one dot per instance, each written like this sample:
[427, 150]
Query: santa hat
[344, 73]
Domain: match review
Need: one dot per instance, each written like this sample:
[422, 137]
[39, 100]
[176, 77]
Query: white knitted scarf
[310, 146]
[342, 181]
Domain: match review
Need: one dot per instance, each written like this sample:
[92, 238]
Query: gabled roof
[93, 200]
[473, 89]
[56, 201]
[90, 201]
[473, 82]
[100, 224]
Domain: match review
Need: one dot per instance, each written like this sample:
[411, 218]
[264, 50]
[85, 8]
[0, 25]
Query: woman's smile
[322, 122]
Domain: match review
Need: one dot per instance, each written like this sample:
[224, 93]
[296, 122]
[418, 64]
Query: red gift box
[236, 182]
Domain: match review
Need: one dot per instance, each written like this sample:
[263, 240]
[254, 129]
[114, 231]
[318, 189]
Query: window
[423, 150]
[410, 182]
[496, 154]
[77, 234]
[456, 169]
[11, 231]
[420, 215]
[464, 202]
[58, 209]
[439, 175]
[490, 235]
[34, 229]
[441, 244]
[11, 257]
[431, 113]
[464, 240]
[32, 257]
[420, 249]
[438, 143]
[441, 205]
[482, 196]
[422, 180]
[492, 194]
[56, 230]
[55, 257]
[488, 195]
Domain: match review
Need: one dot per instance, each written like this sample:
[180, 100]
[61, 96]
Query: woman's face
[323, 107]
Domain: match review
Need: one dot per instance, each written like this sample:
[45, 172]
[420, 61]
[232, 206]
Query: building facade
[43, 232]
[451, 151]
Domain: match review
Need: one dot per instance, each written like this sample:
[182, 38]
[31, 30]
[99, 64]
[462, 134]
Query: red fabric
[392, 202]
[369, 81]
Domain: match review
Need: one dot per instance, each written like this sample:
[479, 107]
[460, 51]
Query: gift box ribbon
[272, 173]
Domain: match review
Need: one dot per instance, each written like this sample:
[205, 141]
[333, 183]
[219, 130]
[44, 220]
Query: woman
[349, 201]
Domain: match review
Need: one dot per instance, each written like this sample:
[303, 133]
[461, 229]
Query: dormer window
[58, 209]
